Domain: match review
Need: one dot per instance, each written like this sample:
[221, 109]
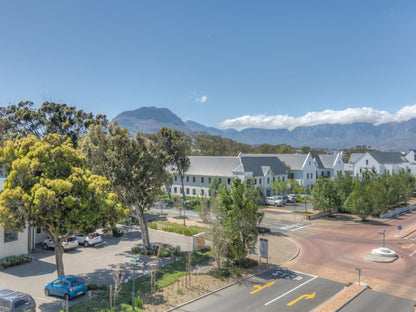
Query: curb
[212, 292]
[297, 252]
[352, 298]
[406, 232]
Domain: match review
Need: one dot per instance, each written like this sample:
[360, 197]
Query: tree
[323, 197]
[132, 165]
[343, 186]
[17, 121]
[359, 202]
[174, 147]
[48, 186]
[280, 187]
[240, 216]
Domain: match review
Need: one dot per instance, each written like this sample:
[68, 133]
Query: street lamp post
[133, 303]
[359, 276]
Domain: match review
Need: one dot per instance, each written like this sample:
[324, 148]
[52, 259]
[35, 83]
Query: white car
[89, 240]
[269, 201]
[69, 243]
[278, 201]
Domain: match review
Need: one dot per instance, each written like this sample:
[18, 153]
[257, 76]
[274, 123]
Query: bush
[245, 263]
[96, 287]
[14, 260]
[152, 226]
[167, 250]
[116, 232]
[219, 273]
[138, 302]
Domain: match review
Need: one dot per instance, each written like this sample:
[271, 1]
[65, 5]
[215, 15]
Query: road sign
[399, 227]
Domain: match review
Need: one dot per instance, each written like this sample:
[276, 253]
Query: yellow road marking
[265, 224]
[411, 245]
[259, 287]
[306, 297]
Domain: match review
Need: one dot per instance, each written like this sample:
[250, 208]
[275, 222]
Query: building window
[175, 178]
[194, 192]
[209, 180]
[360, 170]
[228, 181]
[283, 179]
[187, 179]
[259, 181]
[268, 180]
[307, 176]
[274, 179]
[311, 175]
[202, 179]
[255, 181]
[219, 180]
[175, 190]
[193, 179]
[187, 191]
[38, 230]
[202, 192]
[10, 237]
[328, 173]
[366, 162]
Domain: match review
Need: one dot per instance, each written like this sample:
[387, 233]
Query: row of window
[187, 191]
[228, 180]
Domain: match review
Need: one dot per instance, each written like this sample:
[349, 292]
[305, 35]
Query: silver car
[14, 301]
[69, 243]
[89, 240]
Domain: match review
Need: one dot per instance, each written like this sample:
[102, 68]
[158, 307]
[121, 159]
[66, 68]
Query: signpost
[384, 237]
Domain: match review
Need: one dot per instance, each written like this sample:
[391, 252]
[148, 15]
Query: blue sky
[271, 64]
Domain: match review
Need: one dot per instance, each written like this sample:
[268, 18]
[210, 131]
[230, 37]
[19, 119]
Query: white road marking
[288, 292]
[412, 253]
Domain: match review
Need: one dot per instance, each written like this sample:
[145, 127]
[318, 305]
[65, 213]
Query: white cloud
[347, 116]
[202, 99]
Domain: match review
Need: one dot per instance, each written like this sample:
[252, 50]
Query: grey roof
[355, 157]
[327, 160]
[294, 161]
[256, 163]
[221, 166]
[387, 157]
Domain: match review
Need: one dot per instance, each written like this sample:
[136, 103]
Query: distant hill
[398, 136]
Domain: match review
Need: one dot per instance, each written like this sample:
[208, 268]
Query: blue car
[67, 286]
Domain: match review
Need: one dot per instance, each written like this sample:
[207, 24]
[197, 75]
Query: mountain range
[394, 136]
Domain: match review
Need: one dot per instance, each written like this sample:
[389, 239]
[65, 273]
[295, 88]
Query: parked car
[15, 301]
[269, 201]
[69, 244]
[285, 198]
[67, 286]
[292, 198]
[278, 201]
[89, 240]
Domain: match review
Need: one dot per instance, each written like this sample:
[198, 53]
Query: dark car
[67, 286]
[14, 301]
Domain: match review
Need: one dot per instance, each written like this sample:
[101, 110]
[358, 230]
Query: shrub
[116, 232]
[219, 273]
[245, 263]
[152, 226]
[96, 287]
[138, 302]
[14, 260]
[167, 250]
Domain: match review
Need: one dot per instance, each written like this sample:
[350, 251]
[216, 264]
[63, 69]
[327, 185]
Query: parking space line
[412, 253]
[288, 292]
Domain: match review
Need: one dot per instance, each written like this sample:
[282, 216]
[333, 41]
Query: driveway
[95, 264]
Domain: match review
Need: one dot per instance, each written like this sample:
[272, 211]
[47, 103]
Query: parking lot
[94, 264]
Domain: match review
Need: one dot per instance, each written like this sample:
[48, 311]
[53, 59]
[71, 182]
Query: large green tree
[23, 119]
[323, 195]
[174, 148]
[239, 213]
[48, 186]
[132, 165]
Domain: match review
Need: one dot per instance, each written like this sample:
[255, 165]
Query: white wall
[14, 248]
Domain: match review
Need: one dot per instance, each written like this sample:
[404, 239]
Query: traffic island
[381, 254]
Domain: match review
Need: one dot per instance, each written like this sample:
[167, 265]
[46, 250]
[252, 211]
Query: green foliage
[152, 226]
[138, 302]
[96, 287]
[48, 186]
[167, 250]
[323, 195]
[245, 263]
[239, 215]
[220, 273]
[116, 232]
[172, 227]
[14, 260]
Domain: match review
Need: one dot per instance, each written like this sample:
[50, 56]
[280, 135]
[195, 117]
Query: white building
[263, 169]
[302, 167]
[381, 162]
[329, 165]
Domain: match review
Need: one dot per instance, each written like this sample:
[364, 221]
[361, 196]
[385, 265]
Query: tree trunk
[143, 227]
[59, 254]
[184, 199]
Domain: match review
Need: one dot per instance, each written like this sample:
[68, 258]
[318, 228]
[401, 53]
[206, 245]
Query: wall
[14, 248]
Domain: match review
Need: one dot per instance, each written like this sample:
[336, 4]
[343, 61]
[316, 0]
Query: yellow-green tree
[48, 186]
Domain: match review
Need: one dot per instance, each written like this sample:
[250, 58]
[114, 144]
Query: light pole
[384, 236]
[359, 275]
[133, 303]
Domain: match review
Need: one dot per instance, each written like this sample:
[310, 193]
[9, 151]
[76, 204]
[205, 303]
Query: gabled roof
[221, 166]
[387, 157]
[255, 163]
[355, 157]
[325, 161]
[294, 161]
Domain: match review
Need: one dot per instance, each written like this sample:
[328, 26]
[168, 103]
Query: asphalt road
[265, 292]
[276, 225]
[371, 300]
